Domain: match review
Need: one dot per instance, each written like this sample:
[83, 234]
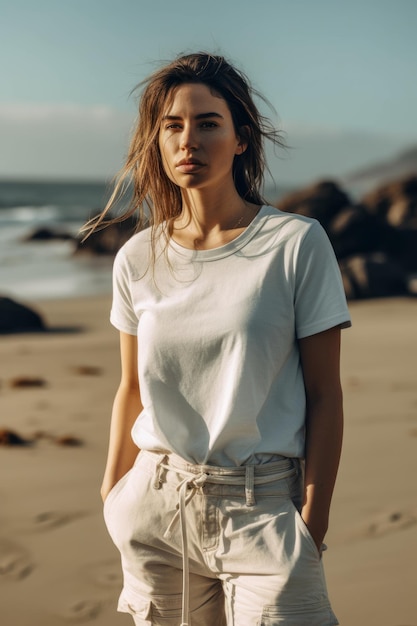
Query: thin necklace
[241, 218]
[238, 223]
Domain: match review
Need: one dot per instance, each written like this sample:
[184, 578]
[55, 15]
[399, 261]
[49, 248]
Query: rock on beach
[16, 317]
[375, 239]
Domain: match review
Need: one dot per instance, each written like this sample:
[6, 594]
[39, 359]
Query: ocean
[37, 270]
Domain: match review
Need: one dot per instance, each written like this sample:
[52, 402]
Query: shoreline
[55, 552]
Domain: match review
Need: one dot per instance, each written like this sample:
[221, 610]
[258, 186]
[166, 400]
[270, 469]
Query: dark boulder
[372, 276]
[396, 202]
[16, 317]
[108, 240]
[355, 231]
[375, 241]
[322, 201]
[47, 234]
[404, 248]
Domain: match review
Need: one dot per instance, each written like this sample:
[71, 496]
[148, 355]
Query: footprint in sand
[81, 611]
[107, 574]
[15, 562]
[87, 370]
[54, 519]
[391, 522]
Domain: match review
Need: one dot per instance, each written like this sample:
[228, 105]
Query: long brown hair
[155, 199]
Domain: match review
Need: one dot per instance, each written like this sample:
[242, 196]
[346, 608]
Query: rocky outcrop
[323, 201]
[353, 230]
[16, 317]
[375, 240]
[372, 276]
[47, 234]
[109, 239]
[395, 202]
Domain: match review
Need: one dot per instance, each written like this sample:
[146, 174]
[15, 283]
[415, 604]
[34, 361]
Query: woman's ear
[243, 138]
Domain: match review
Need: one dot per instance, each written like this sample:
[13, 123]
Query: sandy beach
[57, 563]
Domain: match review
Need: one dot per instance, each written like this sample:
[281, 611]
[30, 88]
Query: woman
[229, 314]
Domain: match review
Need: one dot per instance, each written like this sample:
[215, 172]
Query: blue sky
[341, 75]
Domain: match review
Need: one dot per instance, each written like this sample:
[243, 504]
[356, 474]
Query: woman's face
[197, 139]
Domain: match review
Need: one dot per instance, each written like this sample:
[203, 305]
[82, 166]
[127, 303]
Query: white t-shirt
[219, 366]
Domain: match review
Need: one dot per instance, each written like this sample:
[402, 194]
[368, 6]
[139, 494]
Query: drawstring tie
[186, 490]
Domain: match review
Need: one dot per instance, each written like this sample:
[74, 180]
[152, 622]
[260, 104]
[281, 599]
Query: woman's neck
[211, 220]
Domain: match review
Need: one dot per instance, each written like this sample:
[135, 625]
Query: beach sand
[57, 563]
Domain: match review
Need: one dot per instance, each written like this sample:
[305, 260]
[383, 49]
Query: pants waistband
[177, 463]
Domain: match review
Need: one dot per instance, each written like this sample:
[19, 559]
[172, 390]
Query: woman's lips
[189, 166]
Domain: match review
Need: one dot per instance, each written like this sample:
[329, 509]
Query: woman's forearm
[324, 430]
[122, 450]
[320, 358]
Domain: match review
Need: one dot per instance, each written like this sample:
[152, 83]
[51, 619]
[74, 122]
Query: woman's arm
[320, 358]
[126, 407]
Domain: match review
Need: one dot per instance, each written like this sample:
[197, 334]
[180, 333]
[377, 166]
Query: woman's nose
[188, 139]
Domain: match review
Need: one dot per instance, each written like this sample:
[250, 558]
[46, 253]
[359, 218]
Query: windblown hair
[155, 199]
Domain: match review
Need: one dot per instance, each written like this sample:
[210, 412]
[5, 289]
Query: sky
[341, 77]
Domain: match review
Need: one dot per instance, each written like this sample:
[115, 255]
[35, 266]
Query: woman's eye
[208, 125]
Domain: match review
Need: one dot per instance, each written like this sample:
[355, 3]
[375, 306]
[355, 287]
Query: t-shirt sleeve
[122, 314]
[320, 301]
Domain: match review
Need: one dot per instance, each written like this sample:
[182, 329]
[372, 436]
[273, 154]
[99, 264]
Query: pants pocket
[114, 491]
[306, 533]
[315, 614]
[155, 611]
